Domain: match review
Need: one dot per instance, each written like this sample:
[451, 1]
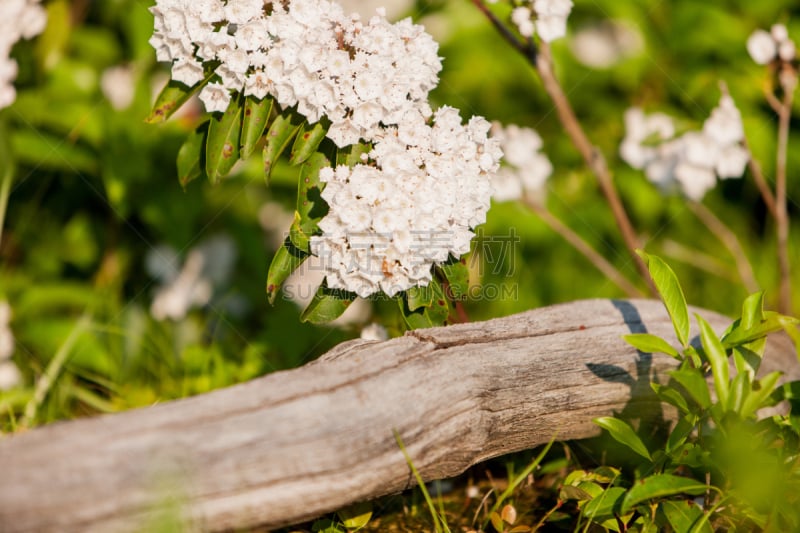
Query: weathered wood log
[293, 445]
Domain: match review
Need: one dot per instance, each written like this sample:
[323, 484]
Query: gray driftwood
[293, 445]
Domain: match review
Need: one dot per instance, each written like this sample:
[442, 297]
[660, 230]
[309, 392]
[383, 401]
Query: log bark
[296, 444]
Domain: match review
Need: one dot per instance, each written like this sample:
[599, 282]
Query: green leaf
[605, 504]
[254, 123]
[171, 98]
[192, 155]
[310, 204]
[623, 433]
[659, 486]
[286, 260]
[457, 274]
[280, 134]
[300, 239]
[682, 515]
[327, 305]
[647, 343]
[695, 384]
[427, 313]
[671, 293]
[717, 358]
[683, 428]
[771, 324]
[760, 394]
[356, 516]
[307, 142]
[222, 145]
[351, 156]
[671, 396]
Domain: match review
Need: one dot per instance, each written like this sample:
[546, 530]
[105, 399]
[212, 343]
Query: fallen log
[296, 444]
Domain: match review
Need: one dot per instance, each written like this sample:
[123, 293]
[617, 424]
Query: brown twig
[789, 84]
[595, 258]
[541, 60]
[729, 239]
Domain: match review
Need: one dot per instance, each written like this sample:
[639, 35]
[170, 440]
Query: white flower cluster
[526, 169]
[192, 286]
[10, 375]
[19, 19]
[411, 204]
[692, 161]
[307, 53]
[767, 46]
[545, 18]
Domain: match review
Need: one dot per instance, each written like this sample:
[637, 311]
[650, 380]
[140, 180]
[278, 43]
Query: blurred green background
[98, 225]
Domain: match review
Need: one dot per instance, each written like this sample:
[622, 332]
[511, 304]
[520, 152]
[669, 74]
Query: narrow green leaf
[300, 239]
[671, 294]
[307, 142]
[659, 486]
[171, 98]
[254, 123]
[695, 384]
[717, 358]
[606, 504]
[286, 260]
[623, 433]
[771, 324]
[280, 134]
[647, 343]
[192, 155]
[682, 515]
[222, 145]
[739, 389]
[327, 305]
[419, 297]
[310, 204]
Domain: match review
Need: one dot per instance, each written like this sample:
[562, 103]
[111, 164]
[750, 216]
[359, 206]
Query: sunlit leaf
[623, 433]
[280, 134]
[171, 98]
[682, 515]
[327, 305]
[286, 260]
[715, 353]
[191, 156]
[692, 380]
[307, 142]
[605, 504]
[671, 293]
[647, 343]
[659, 486]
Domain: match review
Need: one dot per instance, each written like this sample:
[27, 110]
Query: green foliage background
[96, 189]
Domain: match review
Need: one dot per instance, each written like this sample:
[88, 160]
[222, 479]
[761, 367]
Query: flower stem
[728, 238]
[599, 262]
[540, 59]
[789, 83]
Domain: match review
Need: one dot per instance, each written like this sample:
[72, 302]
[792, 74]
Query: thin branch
[577, 242]
[592, 156]
[789, 83]
[729, 239]
[518, 44]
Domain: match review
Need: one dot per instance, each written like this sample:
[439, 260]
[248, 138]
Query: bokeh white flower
[19, 19]
[191, 285]
[525, 168]
[603, 45]
[767, 46]
[545, 18]
[374, 332]
[10, 375]
[118, 85]
[691, 162]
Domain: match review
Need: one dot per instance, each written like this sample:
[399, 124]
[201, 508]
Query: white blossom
[360, 74]
[19, 19]
[413, 204]
[545, 18]
[693, 161]
[526, 169]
